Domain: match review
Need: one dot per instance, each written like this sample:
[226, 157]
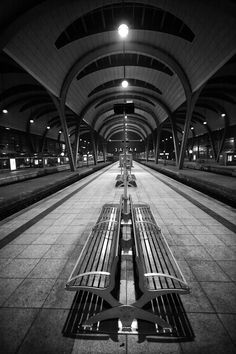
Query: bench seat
[96, 268]
[155, 266]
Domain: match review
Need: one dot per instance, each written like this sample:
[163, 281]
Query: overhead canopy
[72, 48]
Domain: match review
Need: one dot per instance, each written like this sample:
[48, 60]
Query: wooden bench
[156, 269]
[96, 268]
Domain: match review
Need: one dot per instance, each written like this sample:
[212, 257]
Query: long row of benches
[156, 271]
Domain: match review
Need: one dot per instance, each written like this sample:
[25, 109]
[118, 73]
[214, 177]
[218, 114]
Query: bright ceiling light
[31, 121]
[205, 122]
[125, 83]
[5, 111]
[123, 30]
[192, 128]
[48, 127]
[223, 115]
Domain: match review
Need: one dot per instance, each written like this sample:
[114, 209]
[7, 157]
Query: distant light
[124, 83]
[7, 128]
[59, 132]
[140, 140]
[5, 111]
[205, 122]
[170, 137]
[125, 116]
[48, 127]
[31, 121]
[183, 131]
[223, 115]
[190, 151]
[129, 101]
[123, 30]
[163, 140]
[166, 138]
[192, 128]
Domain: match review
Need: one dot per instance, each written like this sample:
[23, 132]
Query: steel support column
[191, 101]
[223, 137]
[147, 147]
[94, 146]
[77, 135]
[158, 139]
[175, 138]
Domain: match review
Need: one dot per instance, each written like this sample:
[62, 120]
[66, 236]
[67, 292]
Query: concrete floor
[36, 264]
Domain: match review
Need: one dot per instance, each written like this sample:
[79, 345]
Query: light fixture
[123, 30]
[31, 121]
[5, 111]
[7, 128]
[204, 122]
[192, 128]
[48, 127]
[59, 132]
[124, 83]
[223, 115]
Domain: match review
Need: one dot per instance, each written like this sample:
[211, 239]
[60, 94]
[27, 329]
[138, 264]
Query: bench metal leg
[126, 314]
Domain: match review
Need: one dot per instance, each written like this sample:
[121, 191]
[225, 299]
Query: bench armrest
[166, 276]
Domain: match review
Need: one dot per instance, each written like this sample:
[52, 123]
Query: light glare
[123, 30]
[124, 83]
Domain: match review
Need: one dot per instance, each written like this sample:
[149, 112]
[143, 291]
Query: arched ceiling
[71, 49]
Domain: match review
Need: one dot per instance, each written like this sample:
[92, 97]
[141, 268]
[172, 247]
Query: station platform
[40, 244]
[19, 189]
[220, 185]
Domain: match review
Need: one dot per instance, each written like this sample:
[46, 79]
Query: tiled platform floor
[36, 264]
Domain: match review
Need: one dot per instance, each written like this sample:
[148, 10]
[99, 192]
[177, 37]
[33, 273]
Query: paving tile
[7, 286]
[46, 239]
[59, 297]
[67, 269]
[4, 262]
[209, 239]
[102, 346]
[178, 229]
[210, 336]
[34, 251]
[25, 239]
[228, 239]
[18, 268]
[186, 270]
[45, 335]
[30, 293]
[48, 268]
[151, 346]
[196, 301]
[190, 252]
[222, 295]
[220, 229]
[229, 267]
[14, 324]
[59, 251]
[11, 251]
[185, 239]
[68, 239]
[207, 271]
[221, 253]
[199, 230]
[229, 322]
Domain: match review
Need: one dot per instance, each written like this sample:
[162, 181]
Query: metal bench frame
[105, 230]
[144, 231]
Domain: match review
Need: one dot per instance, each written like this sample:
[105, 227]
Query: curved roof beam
[157, 100]
[105, 110]
[147, 129]
[132, 47]
[127, 59]
[133, 97]
[133, 119]
[117, 83]
[107, 17]
[118, 130]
